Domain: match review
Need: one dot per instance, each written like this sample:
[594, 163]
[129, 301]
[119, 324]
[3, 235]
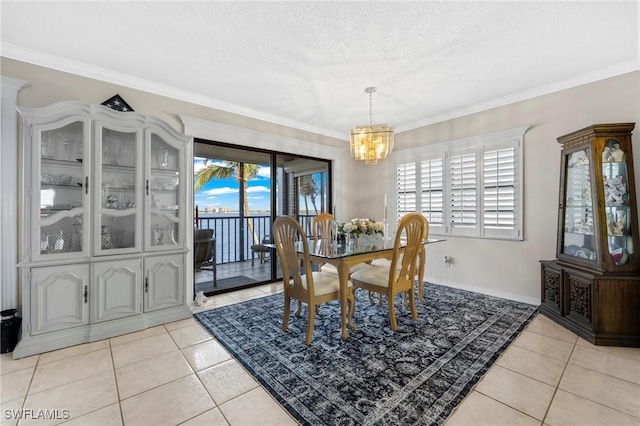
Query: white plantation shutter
[432, 193]
[405, 189]
[463, 192]
[469, 187]
[499, 191]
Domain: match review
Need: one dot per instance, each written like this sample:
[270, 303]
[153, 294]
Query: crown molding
[212, 130]
[78, 68]
[600, 74]
[97, 73]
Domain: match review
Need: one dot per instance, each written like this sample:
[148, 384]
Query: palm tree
[309, 189]
[242, 172]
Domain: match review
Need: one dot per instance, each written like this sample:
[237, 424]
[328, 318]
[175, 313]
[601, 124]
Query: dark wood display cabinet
[593, 286]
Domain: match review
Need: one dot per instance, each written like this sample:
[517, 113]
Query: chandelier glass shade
[371, 142]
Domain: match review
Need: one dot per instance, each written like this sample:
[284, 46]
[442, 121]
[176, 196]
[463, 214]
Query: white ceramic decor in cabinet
[103, 243]
[59, 192]
[165, 188]
[117, 197]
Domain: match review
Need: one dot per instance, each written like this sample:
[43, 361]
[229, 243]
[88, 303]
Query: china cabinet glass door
[578, 238]
[616, 201]
[60, 176]
[117, 202]
[165, 190]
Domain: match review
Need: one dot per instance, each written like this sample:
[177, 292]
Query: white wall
[503, 268]
[511, 268]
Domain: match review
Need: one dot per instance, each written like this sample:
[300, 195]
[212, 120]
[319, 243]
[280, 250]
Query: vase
[366, 240]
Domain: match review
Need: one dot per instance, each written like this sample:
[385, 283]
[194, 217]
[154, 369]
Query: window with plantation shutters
[499, 190]
[432, 192]
[462, 192]
[405, 189]
[469, 187]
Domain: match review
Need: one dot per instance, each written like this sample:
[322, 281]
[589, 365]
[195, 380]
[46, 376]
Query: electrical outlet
[447, 261]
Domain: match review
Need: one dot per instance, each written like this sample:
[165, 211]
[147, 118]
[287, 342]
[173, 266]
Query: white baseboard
[483, 290]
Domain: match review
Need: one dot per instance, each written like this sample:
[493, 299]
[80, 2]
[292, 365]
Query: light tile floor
[177, 374]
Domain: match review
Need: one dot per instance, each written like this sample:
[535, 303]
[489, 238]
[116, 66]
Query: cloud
[259, 188]
[264, 172]
[221, 191]
[200, 163]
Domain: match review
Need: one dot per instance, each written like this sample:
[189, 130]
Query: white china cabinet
[103, 236]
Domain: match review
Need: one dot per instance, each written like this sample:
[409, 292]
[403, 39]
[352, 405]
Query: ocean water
[233, 239]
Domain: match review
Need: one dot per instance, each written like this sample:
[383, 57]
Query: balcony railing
[234, 237]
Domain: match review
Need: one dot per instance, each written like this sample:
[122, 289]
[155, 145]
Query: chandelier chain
[370, 90]
[370, 114]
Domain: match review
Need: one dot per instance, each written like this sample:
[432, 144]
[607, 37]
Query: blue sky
[224, 193]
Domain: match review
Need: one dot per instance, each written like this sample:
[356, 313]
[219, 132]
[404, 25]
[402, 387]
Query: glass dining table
[345, 256]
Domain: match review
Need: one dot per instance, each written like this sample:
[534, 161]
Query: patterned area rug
[416, 375]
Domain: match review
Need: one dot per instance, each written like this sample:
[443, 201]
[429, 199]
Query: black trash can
[10, 324]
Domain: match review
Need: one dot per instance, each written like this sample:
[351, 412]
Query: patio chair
[261, 250]
[204, 251]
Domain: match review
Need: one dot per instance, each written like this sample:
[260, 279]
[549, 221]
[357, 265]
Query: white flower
[361, 226]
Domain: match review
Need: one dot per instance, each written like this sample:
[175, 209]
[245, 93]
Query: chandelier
[371, 142]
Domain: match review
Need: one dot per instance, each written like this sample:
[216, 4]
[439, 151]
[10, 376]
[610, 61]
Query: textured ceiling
[306, 64]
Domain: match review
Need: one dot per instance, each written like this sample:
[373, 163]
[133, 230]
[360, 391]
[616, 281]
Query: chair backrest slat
[287, 231]
[411, 228]
[322, 226]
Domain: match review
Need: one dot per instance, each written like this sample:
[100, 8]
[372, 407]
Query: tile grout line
[499, 402]
[24, 398]
[524, 375]
[115, 378]
[555, 391]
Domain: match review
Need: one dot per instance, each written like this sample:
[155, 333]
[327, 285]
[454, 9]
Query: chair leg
[351, 299]
[287, 310]
[299, 310]
[352, 304]
[421, 292]
[312, 314]
[392, 312]
[412, 304]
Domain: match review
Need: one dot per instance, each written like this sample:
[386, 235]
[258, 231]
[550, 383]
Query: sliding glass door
[238, 192]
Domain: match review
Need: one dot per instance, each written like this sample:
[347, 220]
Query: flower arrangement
[361, 226]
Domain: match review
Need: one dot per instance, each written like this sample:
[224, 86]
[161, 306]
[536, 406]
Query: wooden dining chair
[422, 260]
[303, 284]
[323, 226]
[400, 275]
[323, 230]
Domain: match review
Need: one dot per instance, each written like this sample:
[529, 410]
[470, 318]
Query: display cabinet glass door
[60, 176]
[579, 234]
[117, 202]
[164, 193]
[616, 196]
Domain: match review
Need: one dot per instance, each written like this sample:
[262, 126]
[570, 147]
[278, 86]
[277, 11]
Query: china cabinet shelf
[593, 285]
[74, 186]
[98, 260]
[62, 161]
